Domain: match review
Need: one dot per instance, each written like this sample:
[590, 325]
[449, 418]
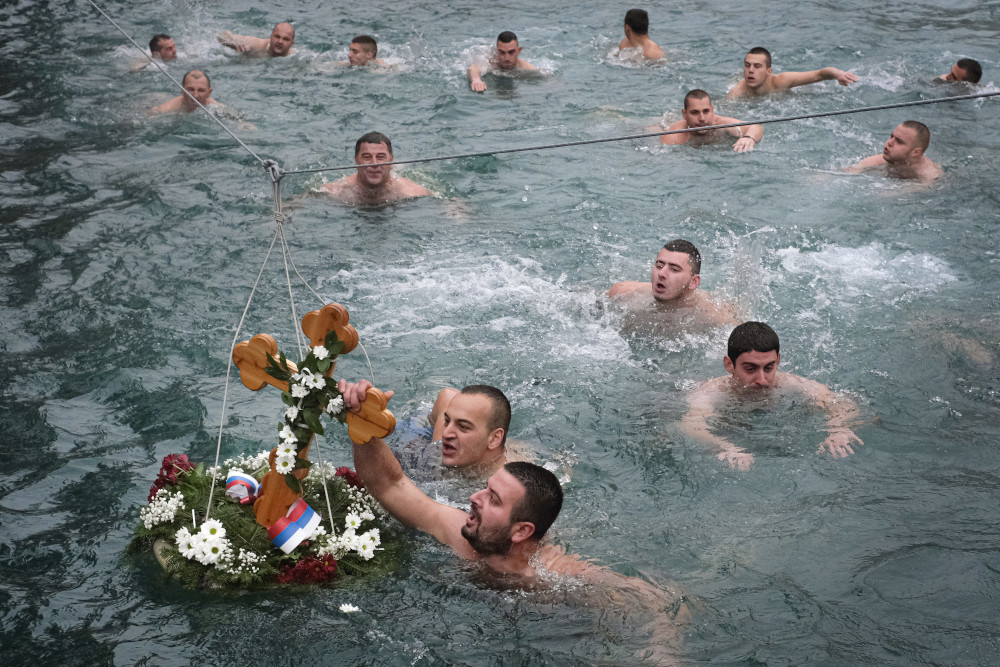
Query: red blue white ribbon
[241, 486]
[290, 530]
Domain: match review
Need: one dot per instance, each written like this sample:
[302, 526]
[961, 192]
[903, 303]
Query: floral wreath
[231, 548]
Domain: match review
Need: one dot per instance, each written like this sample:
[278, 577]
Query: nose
[760, 378]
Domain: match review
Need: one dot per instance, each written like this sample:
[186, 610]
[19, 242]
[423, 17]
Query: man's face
[672, 276]
[198, 87]
[900, 146]
[699, 113]
[755, 69]
[507, 54]
[489, 528]
[282, 38]
[373, 177]
[466, 436]
[167, 50]
[358, 56]
[754, 370]
[957, 74]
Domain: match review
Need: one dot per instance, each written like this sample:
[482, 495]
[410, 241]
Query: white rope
[229, 366]
[176, 83]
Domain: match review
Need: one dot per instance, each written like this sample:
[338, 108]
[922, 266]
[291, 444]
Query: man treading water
[198, 85]
[752, 363]
[373, 185]
[903, 155]
[637, 39]
[671, 300]
[699, 112]
[966, 69]
[505, 57]
[504, 527]
[278, 45]
[758, 79]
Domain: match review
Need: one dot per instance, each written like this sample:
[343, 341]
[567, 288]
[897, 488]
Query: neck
[516, 561]
[489, 465]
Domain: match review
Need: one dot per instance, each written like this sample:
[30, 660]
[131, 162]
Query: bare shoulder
[524, 64]
[337, 187]
[715, 311]
[739, 90]
[628, 288]
[407, 188]
[811, 388]
[555, 559]
[675, 138]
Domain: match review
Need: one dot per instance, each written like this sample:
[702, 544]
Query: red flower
[157, 485]
[350, 477]
[310, 570]
[169, 469]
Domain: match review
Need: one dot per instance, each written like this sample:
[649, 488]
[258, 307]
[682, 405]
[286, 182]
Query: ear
[495, 438]
[694, 282]
[522, 531]
[519, 50]
[728, 364]
[917, 153]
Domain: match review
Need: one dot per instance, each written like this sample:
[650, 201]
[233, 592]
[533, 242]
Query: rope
[646, 135]
[229, 366]
[176, 83]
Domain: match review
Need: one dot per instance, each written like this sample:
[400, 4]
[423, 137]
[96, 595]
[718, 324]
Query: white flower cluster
[208, 546]
[250, 465]
[245, 561]
[364, 544]
[161, 509]
[307, 379]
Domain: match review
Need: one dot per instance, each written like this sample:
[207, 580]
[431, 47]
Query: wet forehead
[755, 358]
[506, 487]
[755, 59]
[507, 47]
[283, 30]
[668, 257]
[473, 408]
[903, 134]
[374, 149]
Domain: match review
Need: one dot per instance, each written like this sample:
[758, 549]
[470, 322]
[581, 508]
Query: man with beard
[278, 45]
[699, 112]
[670, 299]
[903, 155]
[966, 69]
[752, 361]
[373, 184]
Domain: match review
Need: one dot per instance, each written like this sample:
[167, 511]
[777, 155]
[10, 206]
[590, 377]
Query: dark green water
[128, 247]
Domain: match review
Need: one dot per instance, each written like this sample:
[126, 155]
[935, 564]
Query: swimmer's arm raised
[701, 407]
[787, 80]
[385, 481]
[242, 43]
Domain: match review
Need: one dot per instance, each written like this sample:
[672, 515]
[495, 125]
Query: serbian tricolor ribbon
[240, 485]
[290, 530]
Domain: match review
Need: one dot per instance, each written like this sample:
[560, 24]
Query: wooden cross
[372, 421]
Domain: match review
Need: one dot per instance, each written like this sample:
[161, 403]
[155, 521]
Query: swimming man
[278, 45]
[363, 50]
[758, 80]
[505, 57]
[373, 185]
[637, 35]
[752, 362]
[699, 112]
[161, 47]
[965, 69]
[903, 155]
[197, 84]
[504, 527]
[671, 296]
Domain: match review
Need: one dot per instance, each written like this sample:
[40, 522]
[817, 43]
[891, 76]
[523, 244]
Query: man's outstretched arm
[792, 79]
[701, 407]
[841, 414]
[243, 43]
[385, 481]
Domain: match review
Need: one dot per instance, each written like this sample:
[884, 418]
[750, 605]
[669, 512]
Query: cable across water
[645, 135]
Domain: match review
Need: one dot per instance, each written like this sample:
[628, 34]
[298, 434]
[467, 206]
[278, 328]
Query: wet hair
[696, 94]
[372, 138]
[543, 497]
[973, 70]
[197, 74]
[500, 414]
[154, 44]
[686, 247]
[752, 337]
[289, 25]
[367, 43]
[761, 51]
[506, 37]
[923, 138]
[638, 21]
